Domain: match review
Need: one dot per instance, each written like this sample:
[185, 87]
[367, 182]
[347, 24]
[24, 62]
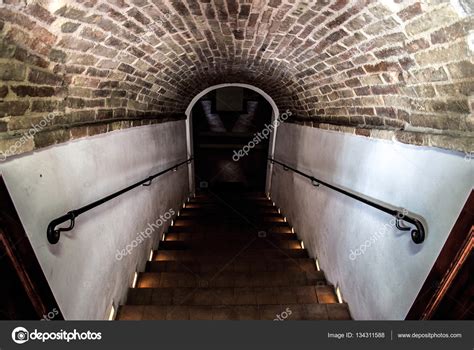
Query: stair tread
[237, 312]
[202, 255]
[233, 295]
[219, 231]
[188, 238]
[211, 245]
[229, 279]
[239, 265]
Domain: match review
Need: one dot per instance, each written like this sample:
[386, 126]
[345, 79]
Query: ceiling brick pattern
[374, 68]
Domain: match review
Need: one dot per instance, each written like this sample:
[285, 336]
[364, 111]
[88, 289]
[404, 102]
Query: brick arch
[202, 93]
[390, 68]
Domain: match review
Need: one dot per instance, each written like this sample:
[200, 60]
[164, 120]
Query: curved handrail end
[418, 234]
[53, 235]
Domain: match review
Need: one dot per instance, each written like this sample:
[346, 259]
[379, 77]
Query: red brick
[410, 11]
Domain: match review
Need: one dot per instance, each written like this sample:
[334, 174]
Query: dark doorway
[448, 292]
[231, 130]
[24, 293]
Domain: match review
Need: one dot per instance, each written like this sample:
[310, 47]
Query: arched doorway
[231, 113]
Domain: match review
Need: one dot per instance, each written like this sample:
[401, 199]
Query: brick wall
[390, 69]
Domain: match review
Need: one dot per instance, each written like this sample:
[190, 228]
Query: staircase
[231, 257]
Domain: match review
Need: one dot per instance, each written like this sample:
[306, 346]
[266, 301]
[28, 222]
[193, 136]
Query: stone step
[223, 244]
[228, 199]
[237, 266]
[184, 255]
[229, 279]
[224, 216]
[223, 205]
[236, 312]
[210, 211]
[232, 296]
[215, 227]
[246, 235]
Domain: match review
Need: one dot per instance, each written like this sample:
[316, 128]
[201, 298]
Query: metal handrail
[417, 234]
[54, 233]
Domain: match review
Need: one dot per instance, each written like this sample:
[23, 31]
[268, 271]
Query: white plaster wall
[82, 269]
[383, 282]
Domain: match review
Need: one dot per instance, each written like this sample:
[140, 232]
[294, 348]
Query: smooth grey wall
[82, 269]
[383, 282]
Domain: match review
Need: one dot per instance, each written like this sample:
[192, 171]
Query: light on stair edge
[163, 238]
[339, 295]
[302, 244]
[135, 279]
[112, 312]
[317, 264]
[151, 255]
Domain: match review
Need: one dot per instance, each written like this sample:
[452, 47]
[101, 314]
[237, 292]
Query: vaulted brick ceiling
[102, 65]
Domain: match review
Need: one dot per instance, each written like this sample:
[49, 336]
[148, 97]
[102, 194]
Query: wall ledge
[453, 141]
[14, 143]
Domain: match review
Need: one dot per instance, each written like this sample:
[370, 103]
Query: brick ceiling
[370, 64]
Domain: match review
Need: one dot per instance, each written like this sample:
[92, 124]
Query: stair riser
[261, 266]
[227, 245]
[227, 279]
[233, 210]
[237, 219]
[222, 230]
[201, 222]
[182, 255]
[232, 296]
[241, 312]
[186, 213]
[223, 206]
[184, 236]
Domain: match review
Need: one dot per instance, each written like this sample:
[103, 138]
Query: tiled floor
[231, 258]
